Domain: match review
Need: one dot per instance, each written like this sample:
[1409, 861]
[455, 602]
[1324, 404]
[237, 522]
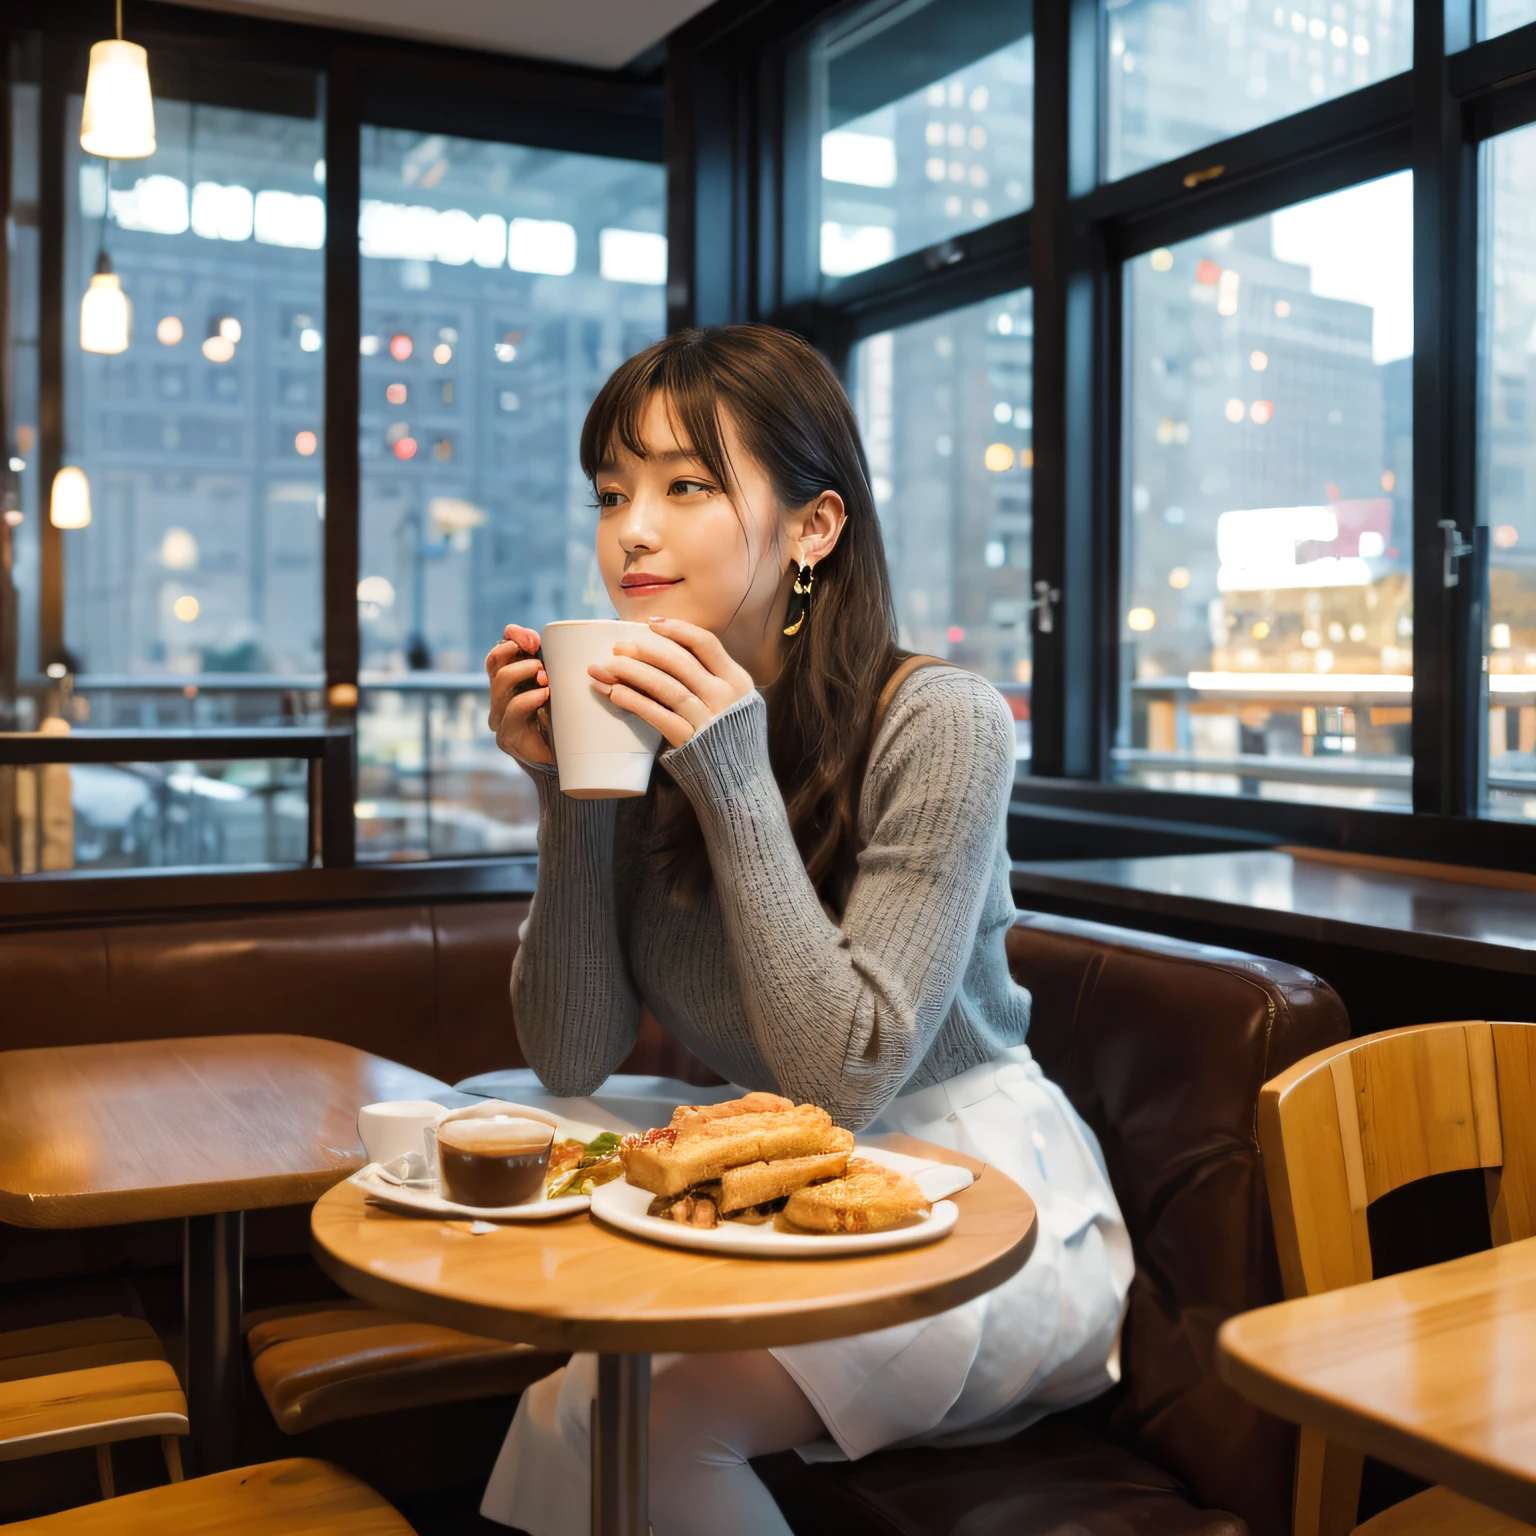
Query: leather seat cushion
[1057, 1478]
[318, 1362]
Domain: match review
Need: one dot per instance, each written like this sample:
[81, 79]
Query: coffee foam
[495, 1135]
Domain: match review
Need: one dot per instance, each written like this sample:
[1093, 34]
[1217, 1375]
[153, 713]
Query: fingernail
[656, 618]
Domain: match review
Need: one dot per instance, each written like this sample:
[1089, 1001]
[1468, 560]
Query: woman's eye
[690, 487]
[609, 498]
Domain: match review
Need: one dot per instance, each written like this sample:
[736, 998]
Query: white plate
[428, 1200]
[621, 1205]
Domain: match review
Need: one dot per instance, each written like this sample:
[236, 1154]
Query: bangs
[681, 378]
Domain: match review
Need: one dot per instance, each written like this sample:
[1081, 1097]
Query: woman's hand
[678, 679]
[520, 720]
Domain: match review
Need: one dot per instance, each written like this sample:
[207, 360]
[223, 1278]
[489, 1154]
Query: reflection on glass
[501, 286]
[944, 407]
[203, 554]
[1507, 472]
[1495, 17]
[102, 816]
[1266, 622]
[432, 782]
[928, 127]
[1183, 73]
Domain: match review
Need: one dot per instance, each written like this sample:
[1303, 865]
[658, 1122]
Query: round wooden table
[575, 1285]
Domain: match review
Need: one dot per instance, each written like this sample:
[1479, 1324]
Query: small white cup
[603, 752]
[394, 1127]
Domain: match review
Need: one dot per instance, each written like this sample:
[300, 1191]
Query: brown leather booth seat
[1162, 1046]
[426, 985]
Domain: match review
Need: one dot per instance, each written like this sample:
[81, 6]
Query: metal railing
[327, 752]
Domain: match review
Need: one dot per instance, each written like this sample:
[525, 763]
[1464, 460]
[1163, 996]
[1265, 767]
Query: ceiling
[605, 34]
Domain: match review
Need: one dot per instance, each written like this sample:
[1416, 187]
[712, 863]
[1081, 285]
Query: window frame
[381, 82]
[1072, 247]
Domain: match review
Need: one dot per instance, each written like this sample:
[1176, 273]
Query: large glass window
[1507, 472]
[944, 407]
[1180, 74]
[501, 285]
[1495, 17]
[1266, 620]
[928, 127]
[200, 441]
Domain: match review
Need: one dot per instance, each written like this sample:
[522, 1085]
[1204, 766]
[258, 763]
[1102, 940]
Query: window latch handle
[1456, 548]
[1046, 599]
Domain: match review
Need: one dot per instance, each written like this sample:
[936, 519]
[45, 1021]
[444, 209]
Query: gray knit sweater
[753, 976]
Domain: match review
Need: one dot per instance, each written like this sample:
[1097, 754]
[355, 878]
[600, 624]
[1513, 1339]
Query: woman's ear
[817, 528]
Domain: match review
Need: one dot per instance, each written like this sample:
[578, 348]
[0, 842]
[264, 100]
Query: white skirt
[1043, 1340]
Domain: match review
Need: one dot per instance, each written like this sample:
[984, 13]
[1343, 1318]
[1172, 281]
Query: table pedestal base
[621, 1446]
[213, 1285]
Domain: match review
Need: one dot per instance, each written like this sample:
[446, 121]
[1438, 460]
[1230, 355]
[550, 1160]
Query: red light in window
[395, 394]
[400, 346]
[1209, 273]
[406, 448]
[305, 443]
[955, 634]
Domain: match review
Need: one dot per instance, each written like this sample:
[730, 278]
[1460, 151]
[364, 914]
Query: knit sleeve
[843, 1014]
[573, 1001]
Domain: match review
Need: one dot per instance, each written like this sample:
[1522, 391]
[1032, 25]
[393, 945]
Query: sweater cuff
[728, 758]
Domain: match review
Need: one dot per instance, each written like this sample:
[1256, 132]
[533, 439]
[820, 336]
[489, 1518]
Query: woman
[810, 911]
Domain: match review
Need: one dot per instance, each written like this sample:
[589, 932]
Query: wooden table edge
[713, 1336]
[121, 1207]
[1462, 1471]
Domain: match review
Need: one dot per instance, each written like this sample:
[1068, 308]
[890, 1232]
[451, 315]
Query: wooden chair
[297, 1497]
[89, 1383]
[1352, 1123]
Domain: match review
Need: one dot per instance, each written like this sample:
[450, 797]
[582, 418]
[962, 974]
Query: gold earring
[802, 590]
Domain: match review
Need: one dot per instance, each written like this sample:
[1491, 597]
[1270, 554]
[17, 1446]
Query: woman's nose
[638, 525]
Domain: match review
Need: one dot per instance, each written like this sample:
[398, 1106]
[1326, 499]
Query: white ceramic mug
[391, 1128]
[603, 752]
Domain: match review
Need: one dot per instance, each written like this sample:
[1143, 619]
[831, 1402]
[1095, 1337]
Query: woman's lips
[647, 588]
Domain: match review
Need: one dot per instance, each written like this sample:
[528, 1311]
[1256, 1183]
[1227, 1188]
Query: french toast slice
[869, 1197]
[692, 1117]
[760, 1183]
[666, 1162]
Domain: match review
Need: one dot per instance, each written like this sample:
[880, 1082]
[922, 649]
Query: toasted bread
[666, 1163]
[691, 1117]
[759, 1183]
[868, 1198]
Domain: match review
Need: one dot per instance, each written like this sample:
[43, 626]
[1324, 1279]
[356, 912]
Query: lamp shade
[119, 118]
[70, 504]
[105, 314]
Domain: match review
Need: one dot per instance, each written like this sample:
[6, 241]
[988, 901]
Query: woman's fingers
[675, 730]
[516, 641]
[703, 643]
[669, 657]
[504, 682]
[666, 689]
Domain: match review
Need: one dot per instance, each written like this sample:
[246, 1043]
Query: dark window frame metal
[1071, 247]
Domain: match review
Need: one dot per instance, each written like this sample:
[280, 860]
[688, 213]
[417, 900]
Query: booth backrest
[1161, 1045]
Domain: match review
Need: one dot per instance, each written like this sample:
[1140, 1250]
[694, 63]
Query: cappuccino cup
[491, 1161]
[603, 752]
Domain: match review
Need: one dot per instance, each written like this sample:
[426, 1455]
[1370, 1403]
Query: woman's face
[671, 544]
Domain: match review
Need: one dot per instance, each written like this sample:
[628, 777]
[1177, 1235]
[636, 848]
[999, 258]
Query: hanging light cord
[119, 20]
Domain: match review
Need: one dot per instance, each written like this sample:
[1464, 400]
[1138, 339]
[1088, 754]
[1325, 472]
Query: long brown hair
[795, 421]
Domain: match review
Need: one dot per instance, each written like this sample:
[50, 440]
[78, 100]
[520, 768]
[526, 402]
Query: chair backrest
[1359, 1120]
[1353, 1123]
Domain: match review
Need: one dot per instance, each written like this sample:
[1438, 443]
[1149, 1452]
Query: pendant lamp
[105, 313]
[118, 122]
[69, 506]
